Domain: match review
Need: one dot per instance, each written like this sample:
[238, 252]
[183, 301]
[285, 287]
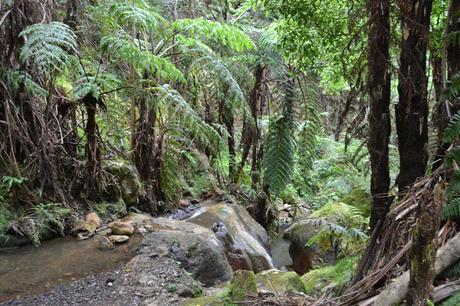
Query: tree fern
[191, 121]
[48, 46]
[124, 49]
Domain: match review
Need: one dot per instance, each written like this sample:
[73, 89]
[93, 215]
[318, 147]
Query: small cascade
[246, 242]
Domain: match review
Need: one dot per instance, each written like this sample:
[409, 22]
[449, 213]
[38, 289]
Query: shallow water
[28, 270]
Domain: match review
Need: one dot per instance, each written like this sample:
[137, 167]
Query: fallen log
[395, 292]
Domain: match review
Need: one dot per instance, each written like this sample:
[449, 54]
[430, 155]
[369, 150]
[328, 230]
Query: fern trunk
[379, 97]
[423, 252]
[412, 109]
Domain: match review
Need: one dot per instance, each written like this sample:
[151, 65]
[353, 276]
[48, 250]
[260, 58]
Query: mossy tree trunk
[423, 252]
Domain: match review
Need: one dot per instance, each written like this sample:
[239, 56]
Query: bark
[446, 256]
[423, 253]
[145, 142]
[412, 109]
[379, 97]
[93, 155]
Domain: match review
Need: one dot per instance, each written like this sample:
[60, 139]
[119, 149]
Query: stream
[29, 270]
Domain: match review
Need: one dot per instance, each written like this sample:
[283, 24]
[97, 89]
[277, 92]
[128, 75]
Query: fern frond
[279, 148]
[452, 301]
[221, 33]
[451, 272]
[453, 91]
[190, 120]
[212, 68]
[133, 53]
[454, 185]
[16, 78]
[48, 46]
[138, 15]
[453, 129]
[451, 210]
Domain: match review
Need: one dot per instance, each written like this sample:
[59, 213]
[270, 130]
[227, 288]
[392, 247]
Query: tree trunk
[93, 156]
[379, 97]
[446, 256]
[423, 252]
[251, 132]
[412, 109]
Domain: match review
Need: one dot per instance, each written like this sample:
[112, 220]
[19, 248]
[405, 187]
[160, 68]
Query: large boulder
[197, 248]
[129, 184]
[246, 242]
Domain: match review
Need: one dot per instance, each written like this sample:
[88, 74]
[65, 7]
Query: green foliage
[136, 15]
[224, 34]
[15, 79]
[453, 129]
[105, 209]
[48, 46]
[452, 301]
[41, 221]
[337, 225]
[453, 91]
[336, 275]
[451, 272]
[279, 149]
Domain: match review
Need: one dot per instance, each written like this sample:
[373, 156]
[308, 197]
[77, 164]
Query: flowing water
[28, 270]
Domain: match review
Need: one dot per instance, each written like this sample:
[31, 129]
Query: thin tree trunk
[251, 131]
[92, 149]
[379, 97]
[412, 109]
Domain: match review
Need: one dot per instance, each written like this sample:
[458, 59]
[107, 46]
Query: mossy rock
[360, 199]
[129, 182]
[318, 279]
[210, 300]
[279, 282]
[243, 286]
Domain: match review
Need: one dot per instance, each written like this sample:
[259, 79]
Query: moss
[243, 284]
[105, 209]
[278, 281]
[360, 199]
[319, 278]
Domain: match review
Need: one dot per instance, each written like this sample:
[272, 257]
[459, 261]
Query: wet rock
[246, 242]
[279, 282]
[118, 238]
[243, 286]
[82, 236]
[197, 248]
[94, 219]
[121, 228]
[104, 243]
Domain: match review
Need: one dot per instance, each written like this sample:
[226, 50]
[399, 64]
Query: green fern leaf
[453, 129]
[224, 34]
[452, 301]
[279, 150]
[48, 46]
